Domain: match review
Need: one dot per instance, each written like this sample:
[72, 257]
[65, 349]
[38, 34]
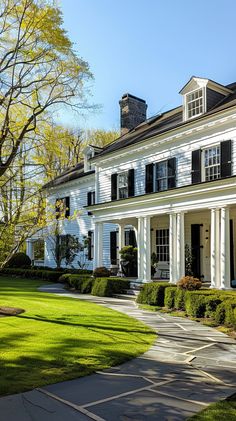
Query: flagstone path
[188, 367]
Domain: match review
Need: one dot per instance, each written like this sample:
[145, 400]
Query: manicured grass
[60, 338]
[223, 410]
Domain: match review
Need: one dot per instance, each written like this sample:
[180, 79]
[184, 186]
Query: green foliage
[101, 272]
[189, 283]
[19, 260]
[188, 260]
[226, 313]
[60, 338]
[153, 293]
[212, 302]
[195, 304]
[82, 283]
[169, 300]
[107, 287]
[46, 275]
[179, 303]
[128, 254]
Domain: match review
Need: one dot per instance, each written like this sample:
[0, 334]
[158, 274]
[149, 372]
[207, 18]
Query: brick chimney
[133, 111]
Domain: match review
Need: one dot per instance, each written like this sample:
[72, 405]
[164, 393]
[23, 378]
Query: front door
[196, 249]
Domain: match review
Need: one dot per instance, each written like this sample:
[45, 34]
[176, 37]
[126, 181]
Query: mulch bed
[10, 311]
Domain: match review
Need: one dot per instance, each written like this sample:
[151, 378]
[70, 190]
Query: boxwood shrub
[226, 313]
[179, 300]
[46, 275]
[169, 300]
[212, 302]
[107, 287]
[195, 304]
[82, 283]
[153, 293]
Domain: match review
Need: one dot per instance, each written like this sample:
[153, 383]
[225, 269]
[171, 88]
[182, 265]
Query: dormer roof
[199, 82]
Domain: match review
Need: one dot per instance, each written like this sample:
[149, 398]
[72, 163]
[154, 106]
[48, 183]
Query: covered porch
[202, 239]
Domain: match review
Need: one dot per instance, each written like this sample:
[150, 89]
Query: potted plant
[154, 263]
[128, 260]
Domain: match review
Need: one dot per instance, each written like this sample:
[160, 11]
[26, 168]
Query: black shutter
[89, 198]
[225, 159]
[113, 186]
[149, 178]
[132, 238]
[89, 244]
[196, 166]
[171, 173]
[67, 203]
[113, 247]
[131, 182]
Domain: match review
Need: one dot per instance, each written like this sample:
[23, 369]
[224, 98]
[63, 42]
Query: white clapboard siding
[81, 222]
[181, 149]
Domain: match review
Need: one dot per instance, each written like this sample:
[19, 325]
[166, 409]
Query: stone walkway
[189, 367]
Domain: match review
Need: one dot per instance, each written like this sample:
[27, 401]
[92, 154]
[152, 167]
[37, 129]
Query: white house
[167, 182]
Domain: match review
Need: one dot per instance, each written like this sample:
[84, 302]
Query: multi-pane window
[162, 245]
[122, 185]
[161, 176]
[212, 163]
[194, 103]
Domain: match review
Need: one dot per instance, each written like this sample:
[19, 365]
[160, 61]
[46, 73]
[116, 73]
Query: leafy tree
[39, 71]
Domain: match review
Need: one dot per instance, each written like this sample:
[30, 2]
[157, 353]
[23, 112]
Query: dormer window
[194, 103]
[200, 95]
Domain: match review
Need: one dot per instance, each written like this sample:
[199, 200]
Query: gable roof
[69, 175]
[156, 125]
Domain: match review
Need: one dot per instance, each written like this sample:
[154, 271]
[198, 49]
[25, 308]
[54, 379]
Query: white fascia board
[185, 198]
[190, 127]
[71, 183]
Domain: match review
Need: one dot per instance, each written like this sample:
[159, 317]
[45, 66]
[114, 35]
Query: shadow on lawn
[71, 358]
[101, 326]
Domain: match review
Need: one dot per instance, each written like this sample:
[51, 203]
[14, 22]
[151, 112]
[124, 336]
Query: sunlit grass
[218, 411]
[59, 338]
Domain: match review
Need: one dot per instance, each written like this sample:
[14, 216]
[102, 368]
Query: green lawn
[60, 338]
[218, 411]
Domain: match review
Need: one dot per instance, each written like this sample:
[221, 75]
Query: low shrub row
[218, 305]
[82, 283]
[107, 287]
[153, 293]
[46, 275]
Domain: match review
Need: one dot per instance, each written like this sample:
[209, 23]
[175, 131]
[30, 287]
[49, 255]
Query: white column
[121, 240]
[224, 249]
[30, 249]
[98, 245]
[215, 247]
[96, 184]
[121, 235]
[140, 248]
[146, 249]
[172, 247]
[180, 246]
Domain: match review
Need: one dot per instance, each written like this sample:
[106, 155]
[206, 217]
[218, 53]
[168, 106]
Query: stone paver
[188, 367]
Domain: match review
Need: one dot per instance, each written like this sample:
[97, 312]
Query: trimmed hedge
[226, 313]
[179, 302]
[195, 304]
[46, 275]
[107, 287]
[82, 283]
[169, 300]
[18, 260]
[153, 293]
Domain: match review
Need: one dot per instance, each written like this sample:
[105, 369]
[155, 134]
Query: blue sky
[149, 48]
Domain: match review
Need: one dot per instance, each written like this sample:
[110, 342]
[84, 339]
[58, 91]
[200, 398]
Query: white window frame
[167, 244]
[203, 167]
[120, 186]
[164, 178]
[93, 200]
[186, 102]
